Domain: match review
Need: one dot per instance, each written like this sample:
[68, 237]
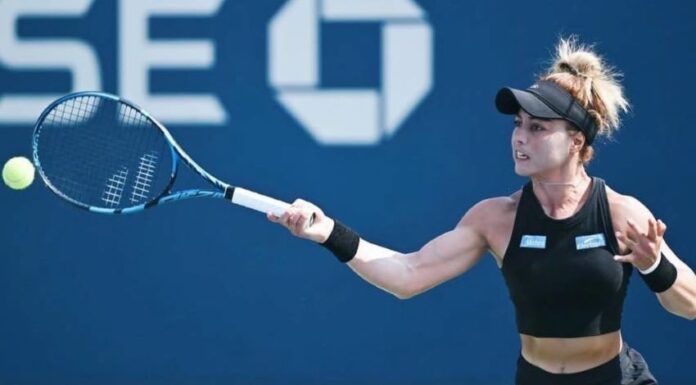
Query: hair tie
[567, 67]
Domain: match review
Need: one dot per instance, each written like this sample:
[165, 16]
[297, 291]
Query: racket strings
[144, 178]
[68, 153]
[103, 153]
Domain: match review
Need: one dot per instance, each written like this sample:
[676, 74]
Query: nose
[518, 136]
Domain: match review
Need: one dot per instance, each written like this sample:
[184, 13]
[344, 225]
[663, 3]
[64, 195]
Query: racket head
[103, 153]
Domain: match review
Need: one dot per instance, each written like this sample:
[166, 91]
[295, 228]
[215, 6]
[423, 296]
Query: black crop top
[561, 274]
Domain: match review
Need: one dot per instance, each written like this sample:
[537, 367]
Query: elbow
[404, 295]
[405, 290]
[689, 313]
[407, 287]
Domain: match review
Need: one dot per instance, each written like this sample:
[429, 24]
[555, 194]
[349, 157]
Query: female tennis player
[566, 243]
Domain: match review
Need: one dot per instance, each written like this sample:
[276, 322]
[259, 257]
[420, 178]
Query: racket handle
[259, 202]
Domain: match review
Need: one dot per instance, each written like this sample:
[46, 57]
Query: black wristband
[342, 242]
[663, 277]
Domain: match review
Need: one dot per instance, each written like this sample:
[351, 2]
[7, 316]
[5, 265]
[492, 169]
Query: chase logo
[350, 116]
[590, 241]
[533, 241]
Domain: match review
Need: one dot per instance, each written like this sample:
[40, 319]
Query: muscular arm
[448, 255]
[680, 298]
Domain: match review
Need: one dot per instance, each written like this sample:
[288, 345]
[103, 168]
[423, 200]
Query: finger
[292, 219]
[661, 228]
[288, 220]
[652, 230]
[626, 241]
[632, 231]
[300, 225]
[624, 258]
[297, 221]
[271, 217]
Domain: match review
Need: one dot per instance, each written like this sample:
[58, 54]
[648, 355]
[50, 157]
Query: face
[541, 146]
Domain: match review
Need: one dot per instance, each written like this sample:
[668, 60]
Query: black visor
[547, 100]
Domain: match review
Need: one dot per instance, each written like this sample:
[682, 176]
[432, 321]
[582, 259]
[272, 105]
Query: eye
[537, 127]
[517, 123]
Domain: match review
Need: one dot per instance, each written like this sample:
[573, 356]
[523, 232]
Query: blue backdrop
[206, 293]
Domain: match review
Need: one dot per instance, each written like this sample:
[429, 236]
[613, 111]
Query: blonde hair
[592, 82]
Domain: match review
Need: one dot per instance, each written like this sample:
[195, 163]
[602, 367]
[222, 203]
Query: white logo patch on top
[533, 241]
[590, 241]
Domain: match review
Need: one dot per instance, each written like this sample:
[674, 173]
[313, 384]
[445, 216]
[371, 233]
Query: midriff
[570, 355]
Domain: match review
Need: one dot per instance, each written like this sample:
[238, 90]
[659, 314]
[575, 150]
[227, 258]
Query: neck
[562, 195]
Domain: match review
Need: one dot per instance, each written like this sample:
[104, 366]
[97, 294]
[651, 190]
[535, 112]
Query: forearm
[382, 267]
[406, 275]
[403, 275]
[387, 269]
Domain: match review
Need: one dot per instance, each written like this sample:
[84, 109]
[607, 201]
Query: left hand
[645, 248]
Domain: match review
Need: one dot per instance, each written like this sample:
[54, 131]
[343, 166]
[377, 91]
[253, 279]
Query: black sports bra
[561, 274]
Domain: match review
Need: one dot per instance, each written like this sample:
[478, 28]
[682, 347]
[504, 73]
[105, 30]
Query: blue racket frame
[225, 190]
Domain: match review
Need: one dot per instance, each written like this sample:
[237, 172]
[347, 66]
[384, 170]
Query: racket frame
[231, 193]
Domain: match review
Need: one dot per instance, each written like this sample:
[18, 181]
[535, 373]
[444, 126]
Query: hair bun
[578, 60]
[592, 82]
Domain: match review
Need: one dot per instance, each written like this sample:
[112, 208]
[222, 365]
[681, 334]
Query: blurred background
[381, 112]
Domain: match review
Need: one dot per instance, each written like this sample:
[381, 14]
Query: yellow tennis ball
[18, 173]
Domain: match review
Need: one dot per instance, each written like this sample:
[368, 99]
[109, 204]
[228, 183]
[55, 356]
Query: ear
[577, 141]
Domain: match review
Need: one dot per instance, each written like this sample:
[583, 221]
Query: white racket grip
[258, 202]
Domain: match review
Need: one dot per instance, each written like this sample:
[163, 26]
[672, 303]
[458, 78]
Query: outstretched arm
[402, 274]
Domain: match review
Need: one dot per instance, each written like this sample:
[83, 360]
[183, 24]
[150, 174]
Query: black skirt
[628, 368]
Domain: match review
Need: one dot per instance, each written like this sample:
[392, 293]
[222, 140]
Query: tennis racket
[107, 155]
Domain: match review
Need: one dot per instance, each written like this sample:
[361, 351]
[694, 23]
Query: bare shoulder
[492, 209]
[494, 219]
[624, 207]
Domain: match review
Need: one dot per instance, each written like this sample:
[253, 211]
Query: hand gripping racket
[105, 154]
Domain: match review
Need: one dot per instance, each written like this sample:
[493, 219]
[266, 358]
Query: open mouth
[521, 156]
